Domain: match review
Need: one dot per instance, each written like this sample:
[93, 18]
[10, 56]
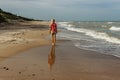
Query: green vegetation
[6, 16]
[2, 19]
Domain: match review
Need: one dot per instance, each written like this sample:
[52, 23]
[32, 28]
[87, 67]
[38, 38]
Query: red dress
[53, 28]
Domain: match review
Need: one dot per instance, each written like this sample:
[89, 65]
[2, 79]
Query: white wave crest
[64, 24]
[109, 22]
[114, 28]
[95, 34]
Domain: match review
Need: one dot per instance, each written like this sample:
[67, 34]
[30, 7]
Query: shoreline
[61, 62]
[27, 54]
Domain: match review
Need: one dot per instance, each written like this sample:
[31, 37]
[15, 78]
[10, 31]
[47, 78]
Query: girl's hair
[52, 20]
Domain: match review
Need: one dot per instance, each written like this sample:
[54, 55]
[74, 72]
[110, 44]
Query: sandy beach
[22, 36]
[26, 54]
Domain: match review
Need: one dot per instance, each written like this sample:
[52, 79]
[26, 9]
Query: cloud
[64, 3]
[68, 9]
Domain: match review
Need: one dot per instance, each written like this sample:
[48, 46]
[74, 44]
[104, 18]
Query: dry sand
[14, 40]
[60, 62]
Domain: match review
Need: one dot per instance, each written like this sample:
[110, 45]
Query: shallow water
[103, 37]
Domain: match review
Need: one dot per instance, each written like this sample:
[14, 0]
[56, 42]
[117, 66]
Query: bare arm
[50, 28]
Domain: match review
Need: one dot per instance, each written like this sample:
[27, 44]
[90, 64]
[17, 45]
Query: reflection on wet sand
[51, 57]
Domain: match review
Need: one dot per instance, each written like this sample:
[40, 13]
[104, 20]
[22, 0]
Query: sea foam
[92, 33]
[114, 28]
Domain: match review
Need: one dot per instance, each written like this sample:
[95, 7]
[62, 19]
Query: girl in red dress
[53, 30]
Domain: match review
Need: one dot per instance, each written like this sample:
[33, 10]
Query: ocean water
[103, 37]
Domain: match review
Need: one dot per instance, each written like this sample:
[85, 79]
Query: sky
[65, 10]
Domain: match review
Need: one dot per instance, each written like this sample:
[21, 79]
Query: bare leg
[52, 38]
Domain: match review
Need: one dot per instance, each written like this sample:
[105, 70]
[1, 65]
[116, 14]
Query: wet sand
[60, 62]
